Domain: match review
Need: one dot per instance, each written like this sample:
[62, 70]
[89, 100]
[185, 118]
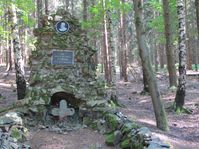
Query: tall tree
[19, 65]
[85, 7]
[161, 119]
[180, 93]
[112, 58]
[197, 18]
[39, 12]
[123, 45]
[9, 42]
[46, 7]
[105, 40]
[188, 34]
[169, 50]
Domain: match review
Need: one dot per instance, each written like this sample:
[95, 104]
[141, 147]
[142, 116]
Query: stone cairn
[75, 85]
[52, 74]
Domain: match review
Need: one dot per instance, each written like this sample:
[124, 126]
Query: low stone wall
[12, 132]
[120, 131]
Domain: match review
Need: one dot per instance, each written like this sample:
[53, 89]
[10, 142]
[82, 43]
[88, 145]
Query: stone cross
[63, 110]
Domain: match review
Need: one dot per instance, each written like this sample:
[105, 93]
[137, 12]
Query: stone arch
[70, 99]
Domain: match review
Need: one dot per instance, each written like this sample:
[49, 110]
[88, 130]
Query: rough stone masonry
[62, 68]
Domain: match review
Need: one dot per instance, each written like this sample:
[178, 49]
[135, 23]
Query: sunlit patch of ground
[184, 128]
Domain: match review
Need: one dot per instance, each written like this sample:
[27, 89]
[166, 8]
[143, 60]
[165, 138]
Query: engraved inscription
[62, 57]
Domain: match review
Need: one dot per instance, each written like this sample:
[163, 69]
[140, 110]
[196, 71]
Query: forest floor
[184, 128]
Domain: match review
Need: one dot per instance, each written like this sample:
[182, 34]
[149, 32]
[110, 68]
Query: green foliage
[98, 11]
[156, 5]
[16, 134]
[23, 7]
[125, 144]
[157, 23]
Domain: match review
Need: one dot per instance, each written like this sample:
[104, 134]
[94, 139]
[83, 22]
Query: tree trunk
[46, 7]
[9, 55]
[124, 67]
[39, 13]
[85, 7]
[105, 49]
[197, 18]
[72, 7]
[189, 52]
[123, 46]
[169, 50]
[156, 57]
[161, 119]
[161, 56]
[180, 94]
[19, 65]
[189, 48]
[9, 43]
[112, 59]
[196, 54]
[144, 74]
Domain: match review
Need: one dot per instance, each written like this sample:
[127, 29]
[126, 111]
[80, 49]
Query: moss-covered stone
[125, 144]
[127, 127]
[109, 139]
[87, 121]
[94, 125]
[19, 133]
[112, 121]
[136, 144]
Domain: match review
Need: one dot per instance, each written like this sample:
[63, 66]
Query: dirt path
[81, 139]
[7, 87]
[184, 128]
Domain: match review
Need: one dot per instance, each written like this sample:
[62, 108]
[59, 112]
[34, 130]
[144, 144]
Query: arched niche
[71, 104]
[70, 99]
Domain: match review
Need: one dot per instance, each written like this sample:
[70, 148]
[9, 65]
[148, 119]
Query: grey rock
[33, 109]
[11, 118]
[25, 146]
[93, 103]
[98, 146]
[117, 137]
[153, 145]
[6, 120]
[14, 145]
[158, 145]
[144, 131]
[4, 142]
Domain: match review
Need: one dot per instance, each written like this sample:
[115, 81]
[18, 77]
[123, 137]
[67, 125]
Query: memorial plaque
[62, 27]
[65, 57]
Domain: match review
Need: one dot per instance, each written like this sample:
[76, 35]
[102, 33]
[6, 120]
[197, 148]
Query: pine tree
[169, 50]
[19, 64]
[160, 114]
[180, 94]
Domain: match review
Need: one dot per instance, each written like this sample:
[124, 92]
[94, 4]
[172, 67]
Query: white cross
[63, 110]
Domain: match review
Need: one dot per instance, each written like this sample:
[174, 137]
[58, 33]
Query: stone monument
[62, 72]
